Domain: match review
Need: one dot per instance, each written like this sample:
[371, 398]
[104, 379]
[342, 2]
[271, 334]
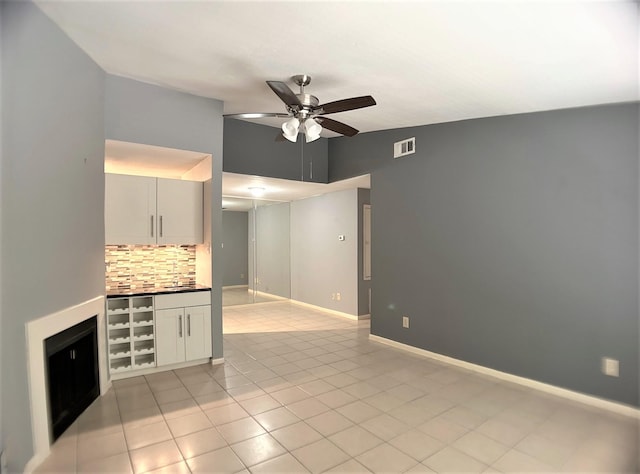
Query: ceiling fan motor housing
[309, 103]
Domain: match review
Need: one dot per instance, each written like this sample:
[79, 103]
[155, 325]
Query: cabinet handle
[188, 325]
[152, 225]
[160, 226]
[72, 354]
[179, 326]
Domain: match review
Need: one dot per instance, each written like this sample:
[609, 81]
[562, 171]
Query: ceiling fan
[305, 112]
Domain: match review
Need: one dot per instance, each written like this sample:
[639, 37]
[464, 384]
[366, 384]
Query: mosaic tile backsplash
[149, 266]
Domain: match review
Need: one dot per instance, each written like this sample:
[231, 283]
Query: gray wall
[250, 148]
[1, 232]
[364, 197]
[235, 257]
[272, 249]
[52, 194]
[320, 263]
[143, 113]
[511, 242]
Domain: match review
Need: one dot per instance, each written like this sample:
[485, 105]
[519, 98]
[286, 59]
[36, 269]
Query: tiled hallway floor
[304, 391]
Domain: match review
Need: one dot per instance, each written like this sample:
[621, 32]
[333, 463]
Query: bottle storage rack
[131, 333]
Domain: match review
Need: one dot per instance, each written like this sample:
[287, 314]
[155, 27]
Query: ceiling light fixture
[290, 129]
[257, 191]
[312, 130]
[310, 127]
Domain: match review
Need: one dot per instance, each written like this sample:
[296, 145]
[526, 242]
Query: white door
[170, 336]
[198, 332]
[129, 209]
[179, 211]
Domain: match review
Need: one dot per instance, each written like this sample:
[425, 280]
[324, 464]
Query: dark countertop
[118, 293]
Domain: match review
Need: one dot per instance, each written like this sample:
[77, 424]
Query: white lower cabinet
[183, 327]
[153, 331]
[170, 336]
[130, 333]
[198, 332]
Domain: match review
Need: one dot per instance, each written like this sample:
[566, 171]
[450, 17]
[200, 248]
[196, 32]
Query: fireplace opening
[72, 372]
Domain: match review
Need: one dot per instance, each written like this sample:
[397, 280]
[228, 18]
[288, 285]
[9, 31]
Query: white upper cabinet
[129, 209]
[143, 210]
[179, 210]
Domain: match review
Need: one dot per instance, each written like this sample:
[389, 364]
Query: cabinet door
[179, 211]
[198, 330]
[170, 336]
[129, 209]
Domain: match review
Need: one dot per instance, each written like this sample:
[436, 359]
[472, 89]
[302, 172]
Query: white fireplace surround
[36, 332]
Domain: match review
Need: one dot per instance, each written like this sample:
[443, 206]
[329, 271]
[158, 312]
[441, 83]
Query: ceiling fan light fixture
[290, 129]
[312, 130]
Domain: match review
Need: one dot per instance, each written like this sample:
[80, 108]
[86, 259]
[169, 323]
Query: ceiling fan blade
[257, 115]
[285, 93]
[347, 104]
[336, 126]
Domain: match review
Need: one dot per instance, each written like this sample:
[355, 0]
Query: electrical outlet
[338, 296]
[405, 321]
[610, 367]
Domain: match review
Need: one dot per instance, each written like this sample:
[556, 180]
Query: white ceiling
[424, 62]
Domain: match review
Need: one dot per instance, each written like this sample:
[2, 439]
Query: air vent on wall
[404, 147]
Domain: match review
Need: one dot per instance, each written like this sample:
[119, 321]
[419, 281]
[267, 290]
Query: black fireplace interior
[72, 369]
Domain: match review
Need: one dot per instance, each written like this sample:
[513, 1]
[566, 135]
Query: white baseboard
[331, 311]
[272, 296]
[232, 287]
[217, 361]
[590, 400]
[274, 299]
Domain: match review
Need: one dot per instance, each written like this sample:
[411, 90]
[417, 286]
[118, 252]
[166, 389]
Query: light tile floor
[305, 391]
